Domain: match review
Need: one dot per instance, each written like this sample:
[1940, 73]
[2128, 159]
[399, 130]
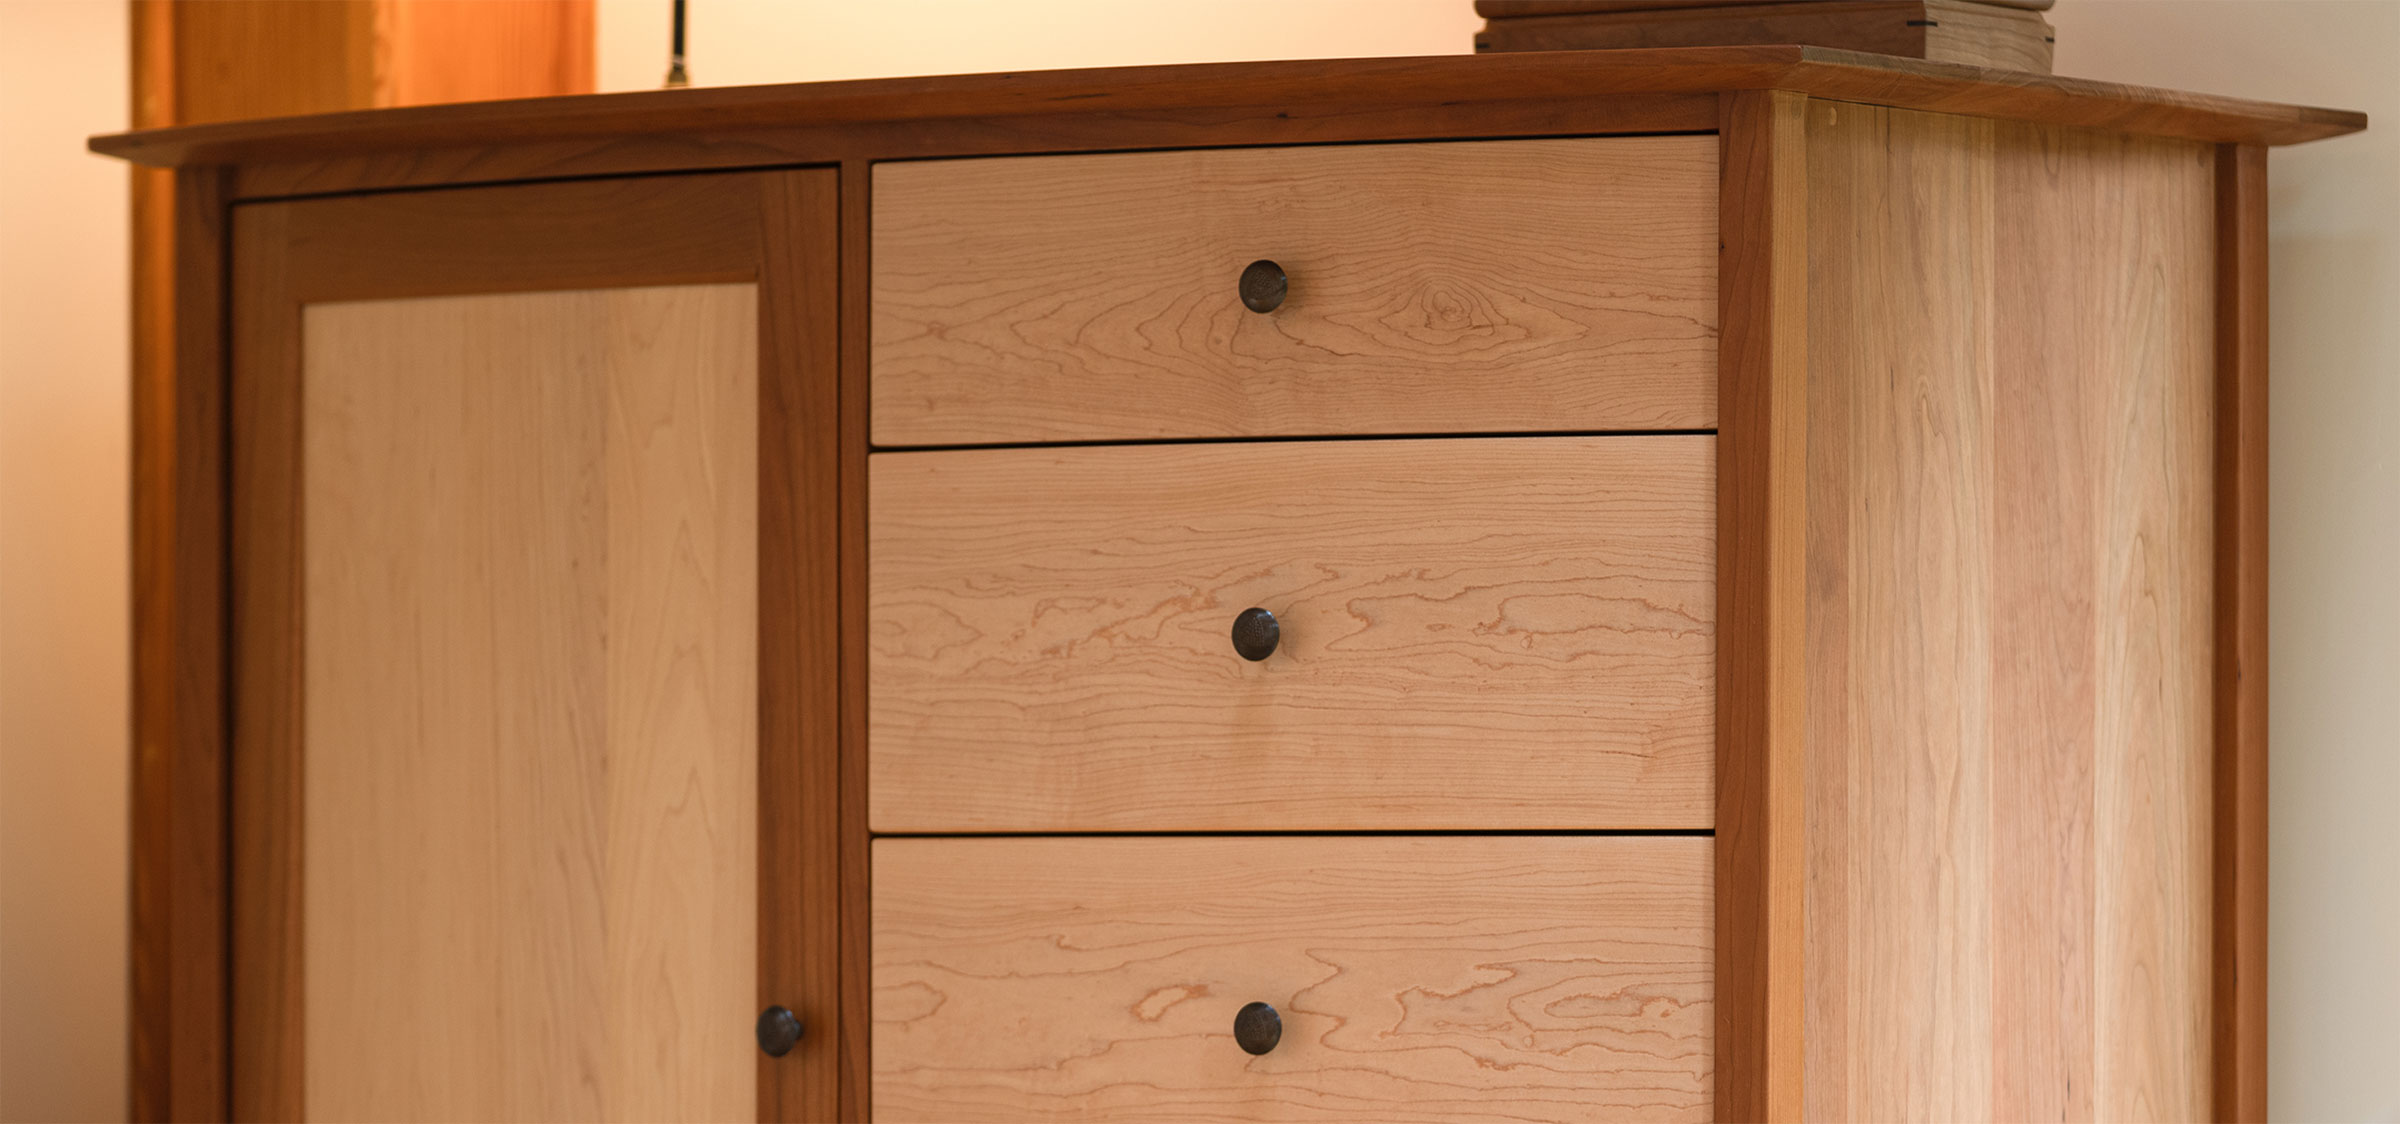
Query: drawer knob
[778, 1031]
[1255, 633]
[1257, 1028]
[1263, 286]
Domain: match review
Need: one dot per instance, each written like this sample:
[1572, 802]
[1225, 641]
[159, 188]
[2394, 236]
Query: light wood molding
[1502, 633]
[1418, 979]
[2010, 423]
[531, 711]
[1540, 285]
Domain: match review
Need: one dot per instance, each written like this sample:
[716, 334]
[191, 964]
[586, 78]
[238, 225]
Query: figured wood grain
[1495, 286]
[2011, 409]
[2239, 880]
[1525, 978]
[1500, 633]
[530, 826]
[1762, 465]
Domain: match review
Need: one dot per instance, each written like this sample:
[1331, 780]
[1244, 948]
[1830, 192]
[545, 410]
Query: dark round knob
[1257, 1028]
[1255, 633]
[1263, 286]
[778, 1031]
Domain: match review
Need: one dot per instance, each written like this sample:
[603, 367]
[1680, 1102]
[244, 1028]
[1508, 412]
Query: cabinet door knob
[1257, 1028]
[1263, 286]
[778, 1031]
[1255, 633]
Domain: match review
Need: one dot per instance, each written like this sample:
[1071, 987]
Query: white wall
[63, 610]
[2333, 942]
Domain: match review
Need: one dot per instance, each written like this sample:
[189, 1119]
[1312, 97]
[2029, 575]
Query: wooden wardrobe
[1654, 584]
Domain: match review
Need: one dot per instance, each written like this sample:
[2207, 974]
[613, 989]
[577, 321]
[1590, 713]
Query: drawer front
[1491, 633]
[1497, 286]
[1449, 978]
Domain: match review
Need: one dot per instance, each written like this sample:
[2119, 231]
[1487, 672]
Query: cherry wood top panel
[1461, 978]
[724, 114]
[1496, 633]
[1524, 285]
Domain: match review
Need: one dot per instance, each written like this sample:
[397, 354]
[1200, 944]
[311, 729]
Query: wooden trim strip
[1351, 83]
[1761, 597]
[799, 640]
[178, 948]
[858, 921]
[2239, 861]
[263, 382]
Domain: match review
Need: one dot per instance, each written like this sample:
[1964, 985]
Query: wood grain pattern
[1762, 513]
[1122, 103]
[1539, 978]
[1497, 286]
[2239, 880]
[1503, 633]
[776, 229]
[530, 825]
[2010, 421]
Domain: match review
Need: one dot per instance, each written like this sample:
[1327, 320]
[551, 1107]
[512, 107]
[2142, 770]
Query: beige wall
[743, 42]
[62, 562]
[2333, 942]
[2336, 309]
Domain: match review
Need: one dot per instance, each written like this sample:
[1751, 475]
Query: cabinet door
[531, 486]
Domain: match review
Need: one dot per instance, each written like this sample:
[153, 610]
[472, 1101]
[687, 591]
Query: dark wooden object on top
[2001, 34]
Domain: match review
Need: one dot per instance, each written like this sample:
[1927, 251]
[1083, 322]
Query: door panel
[531, 715]
[536, 732]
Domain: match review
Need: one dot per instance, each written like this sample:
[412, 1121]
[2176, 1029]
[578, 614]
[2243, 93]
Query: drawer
[1447, 978]
[1495, 286]
[1485, 633]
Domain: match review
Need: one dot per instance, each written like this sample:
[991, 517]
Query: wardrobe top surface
[1318, 87]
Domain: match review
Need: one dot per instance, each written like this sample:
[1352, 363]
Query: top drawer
[1494, 286]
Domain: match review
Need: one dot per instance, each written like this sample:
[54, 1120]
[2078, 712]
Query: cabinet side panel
[1900, 343]
[2011, 412]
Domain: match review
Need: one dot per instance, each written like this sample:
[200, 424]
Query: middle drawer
[1481, 634]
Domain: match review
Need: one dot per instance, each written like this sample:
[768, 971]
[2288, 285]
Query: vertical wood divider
[857, 900]
[800, 843]
[1761, 548]
[180, 720]
[263, 379]
[2239, 858]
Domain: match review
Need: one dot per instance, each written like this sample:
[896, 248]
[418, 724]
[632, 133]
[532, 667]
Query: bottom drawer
[1416, 978]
